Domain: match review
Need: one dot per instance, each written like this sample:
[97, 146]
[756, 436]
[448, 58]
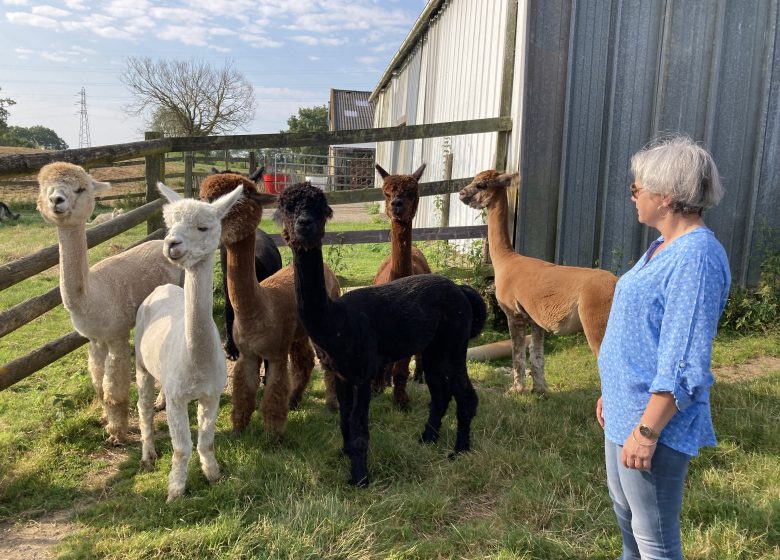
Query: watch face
[647, 432]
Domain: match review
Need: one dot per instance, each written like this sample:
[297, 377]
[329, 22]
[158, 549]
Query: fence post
[252, 161]
[155, 171]
[227, 160]
[445, 201]
[188, 174]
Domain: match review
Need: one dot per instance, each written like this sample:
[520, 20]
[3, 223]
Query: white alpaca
[101, 300]
[177, 342]
[106, 216]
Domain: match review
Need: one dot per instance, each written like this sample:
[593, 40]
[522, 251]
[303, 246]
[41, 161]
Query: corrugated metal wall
[453, 74]
[604, 77]
[594, 81]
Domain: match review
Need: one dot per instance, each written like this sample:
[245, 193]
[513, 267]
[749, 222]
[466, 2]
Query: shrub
[755, 309]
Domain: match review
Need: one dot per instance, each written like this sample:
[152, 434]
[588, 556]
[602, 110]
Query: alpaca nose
[56, 199]
[397, 204]
[305, 221]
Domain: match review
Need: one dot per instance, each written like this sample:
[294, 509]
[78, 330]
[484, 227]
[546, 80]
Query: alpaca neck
[401, 250]
[310, 289]
[198, 303]
[74, 267]
[241, 277]
[498, 232]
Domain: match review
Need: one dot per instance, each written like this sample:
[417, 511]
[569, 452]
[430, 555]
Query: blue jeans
[648, 504]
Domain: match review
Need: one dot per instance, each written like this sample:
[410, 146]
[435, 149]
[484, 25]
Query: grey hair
[678, 167]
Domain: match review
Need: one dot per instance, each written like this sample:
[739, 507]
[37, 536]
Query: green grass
[533, 487]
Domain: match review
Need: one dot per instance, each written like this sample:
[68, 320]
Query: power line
[84, 139]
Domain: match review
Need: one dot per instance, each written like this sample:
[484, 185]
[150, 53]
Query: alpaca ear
[99, 185]
[417, 174]
[168, 193]
[263, 199]
[506, 179]
[214, 171]
[382, 172]
[225, 202]
[257, 175]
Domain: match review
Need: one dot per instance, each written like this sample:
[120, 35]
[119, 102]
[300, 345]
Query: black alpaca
[267, 262]
[365, 329]
[6, 212]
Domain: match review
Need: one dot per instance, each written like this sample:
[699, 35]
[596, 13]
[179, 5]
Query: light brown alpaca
[266, 316]
[102, 300]
[548, 297]
[402, 195]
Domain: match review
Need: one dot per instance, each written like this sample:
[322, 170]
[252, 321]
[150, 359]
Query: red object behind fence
[275, 182]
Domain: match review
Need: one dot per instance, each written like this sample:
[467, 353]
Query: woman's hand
[637, 452]
[600, 411]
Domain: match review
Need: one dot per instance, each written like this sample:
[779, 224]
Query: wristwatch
[648, 432]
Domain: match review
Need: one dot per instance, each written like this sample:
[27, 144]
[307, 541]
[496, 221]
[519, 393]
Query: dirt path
[34, 539]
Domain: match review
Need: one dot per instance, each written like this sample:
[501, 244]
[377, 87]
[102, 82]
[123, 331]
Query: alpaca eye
[203, 229]
[80, 190]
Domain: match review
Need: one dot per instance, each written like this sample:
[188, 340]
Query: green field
[533, 487]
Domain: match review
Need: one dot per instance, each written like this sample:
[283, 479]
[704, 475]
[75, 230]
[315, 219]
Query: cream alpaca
[177, 342]
[106, 216]
[101, 300]
[549, 297]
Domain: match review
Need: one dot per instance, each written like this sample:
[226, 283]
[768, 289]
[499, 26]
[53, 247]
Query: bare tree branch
[189, 98]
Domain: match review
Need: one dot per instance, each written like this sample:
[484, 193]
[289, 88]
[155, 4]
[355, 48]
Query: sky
[292, 51]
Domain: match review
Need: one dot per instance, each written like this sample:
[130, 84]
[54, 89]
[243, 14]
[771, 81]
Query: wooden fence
[154, 149]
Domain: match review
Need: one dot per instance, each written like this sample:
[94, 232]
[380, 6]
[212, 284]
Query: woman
[655, 358]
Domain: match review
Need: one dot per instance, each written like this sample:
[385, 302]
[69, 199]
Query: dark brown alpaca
[402, 195]
[266, 316]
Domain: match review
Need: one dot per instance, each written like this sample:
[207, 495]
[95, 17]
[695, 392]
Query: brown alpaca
[402, 195]
[266, 316]
[549, 297]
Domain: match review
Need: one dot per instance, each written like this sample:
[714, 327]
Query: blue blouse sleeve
[689, 323]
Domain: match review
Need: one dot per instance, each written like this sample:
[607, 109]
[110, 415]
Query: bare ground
[34, 539]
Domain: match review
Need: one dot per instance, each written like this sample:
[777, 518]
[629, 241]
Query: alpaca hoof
[231, 352]
[452, 455]
[403, 404]
[295, 402]
[332, 405]
[159, 404]
[517, 389]
[212, 475]
[539, 389]
[428, 437]
[115, 440]
[148, 464]
[361, 482]
[174, 494]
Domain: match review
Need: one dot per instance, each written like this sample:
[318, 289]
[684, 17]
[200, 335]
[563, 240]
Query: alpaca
[102, 300]
[268, 260]
[266, 318]
[402, 195]
[6, 213]
[548, 297]
[370, 327]
[106, 216]
[177, 342]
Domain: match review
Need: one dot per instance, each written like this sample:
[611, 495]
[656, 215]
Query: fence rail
[153, 151]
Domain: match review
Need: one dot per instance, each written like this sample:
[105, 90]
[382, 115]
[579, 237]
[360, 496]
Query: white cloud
[31, 19]
[55, 57]
[50, 11]
[21, 50]
[15, 2]
[367, 60]
[187, 34]
[178, 15]
[75, 5]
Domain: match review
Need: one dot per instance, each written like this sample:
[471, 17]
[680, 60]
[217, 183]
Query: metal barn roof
[350, 110]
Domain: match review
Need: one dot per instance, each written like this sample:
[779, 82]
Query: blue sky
[292, 51]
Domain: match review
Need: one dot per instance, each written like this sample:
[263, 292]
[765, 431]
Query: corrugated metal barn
[592, 82]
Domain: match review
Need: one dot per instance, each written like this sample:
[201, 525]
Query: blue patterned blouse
[659, 339]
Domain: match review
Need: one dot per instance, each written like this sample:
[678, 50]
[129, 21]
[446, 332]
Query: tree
[192, 98]
[310, 119]
[6, 102]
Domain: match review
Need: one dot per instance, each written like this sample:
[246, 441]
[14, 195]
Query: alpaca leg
[466, 400]
[358, 429]
[159, 403]
[537, 359]
[301, 366]
[146, 415]
[517, 333]
[116, 389]
[245, 384]
[274, 405]
[331, 398]
[400, 377]
[435, 377]
[345, 391]
[208, 407]
[181, 441]
[382, 379]
[96, 364]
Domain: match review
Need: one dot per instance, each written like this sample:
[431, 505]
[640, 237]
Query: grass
[533, 487]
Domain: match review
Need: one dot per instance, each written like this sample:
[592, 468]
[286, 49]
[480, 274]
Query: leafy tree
[41, 136]
[310, 119]
[5, 102]
[190, 97]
